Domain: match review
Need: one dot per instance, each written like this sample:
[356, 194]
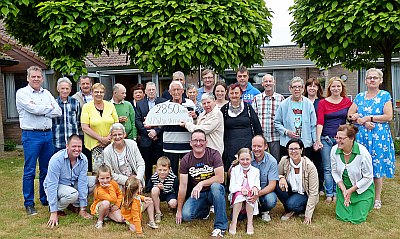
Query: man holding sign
[175, 138]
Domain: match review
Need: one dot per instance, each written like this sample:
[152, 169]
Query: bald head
[119, 93]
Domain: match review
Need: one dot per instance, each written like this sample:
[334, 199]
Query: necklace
[347, 154]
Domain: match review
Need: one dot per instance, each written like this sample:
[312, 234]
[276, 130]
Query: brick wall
[279, 53]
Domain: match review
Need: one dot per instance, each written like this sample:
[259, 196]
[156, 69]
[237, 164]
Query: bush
[9, 145]
[397, 146]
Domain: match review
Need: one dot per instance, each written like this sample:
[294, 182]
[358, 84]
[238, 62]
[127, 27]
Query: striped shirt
[170, 182]
[265, 108]
[68, 123]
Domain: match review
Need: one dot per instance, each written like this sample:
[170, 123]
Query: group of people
[312, 151]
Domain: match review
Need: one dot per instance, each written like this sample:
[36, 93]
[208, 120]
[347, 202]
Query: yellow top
[100, 124]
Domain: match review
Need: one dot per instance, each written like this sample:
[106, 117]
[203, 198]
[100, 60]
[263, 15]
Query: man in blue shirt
[67, 181]
[249, 91]
[268, 167]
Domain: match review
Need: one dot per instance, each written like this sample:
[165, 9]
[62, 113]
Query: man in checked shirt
[68, 123]
[265, 105]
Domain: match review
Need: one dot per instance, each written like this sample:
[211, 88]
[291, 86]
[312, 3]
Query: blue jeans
[193, 209]
[330, 186]
[292, 201]
[36, 145]
[267, 202]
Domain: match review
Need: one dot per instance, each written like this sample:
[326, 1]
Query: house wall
[280, 53]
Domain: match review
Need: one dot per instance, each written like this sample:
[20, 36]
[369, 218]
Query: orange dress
[112, 194]
[133, 214]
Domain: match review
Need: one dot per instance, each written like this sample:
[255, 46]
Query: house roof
[104, 60]
[5, 38]
[6, 60]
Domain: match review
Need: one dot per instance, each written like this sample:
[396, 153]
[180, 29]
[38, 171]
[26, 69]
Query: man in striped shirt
[265, 105]
[67, 124]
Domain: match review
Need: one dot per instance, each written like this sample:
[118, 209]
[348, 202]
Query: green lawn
[15, 224]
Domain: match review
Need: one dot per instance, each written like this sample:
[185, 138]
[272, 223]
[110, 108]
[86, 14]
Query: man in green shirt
[125, 111]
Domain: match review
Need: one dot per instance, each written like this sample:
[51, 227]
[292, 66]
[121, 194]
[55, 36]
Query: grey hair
[175, 83]
[380, 73]
[150, 83]
[34, 68]
[117, 126]
[64, 80]
[209, 96]
[177, 74]
[296, 79]
[116, 87]
[268, 75]
[191, 86]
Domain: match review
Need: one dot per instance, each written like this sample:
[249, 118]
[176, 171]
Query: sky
[280, 22]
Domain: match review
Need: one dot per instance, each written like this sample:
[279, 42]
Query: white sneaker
[212, 209]
[265, 216]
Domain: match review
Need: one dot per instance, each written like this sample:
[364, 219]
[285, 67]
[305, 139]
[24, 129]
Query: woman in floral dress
[372, 111]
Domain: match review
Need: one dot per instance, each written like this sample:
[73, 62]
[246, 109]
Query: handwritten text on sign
[167, 113]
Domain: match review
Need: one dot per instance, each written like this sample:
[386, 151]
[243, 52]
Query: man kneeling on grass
[67, 181]
[203, 169]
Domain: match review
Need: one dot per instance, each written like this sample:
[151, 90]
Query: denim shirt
[61, 172]
[268, 169]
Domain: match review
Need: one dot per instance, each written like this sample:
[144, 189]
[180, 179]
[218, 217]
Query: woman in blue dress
[372, 111]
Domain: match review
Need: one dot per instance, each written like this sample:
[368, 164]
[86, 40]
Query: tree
[351, 32]
[158, 35]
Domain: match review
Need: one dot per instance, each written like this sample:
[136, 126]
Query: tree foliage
[351, 32]
[157, 35]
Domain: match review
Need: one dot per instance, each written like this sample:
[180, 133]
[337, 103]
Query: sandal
[378, 204]
[99, 225]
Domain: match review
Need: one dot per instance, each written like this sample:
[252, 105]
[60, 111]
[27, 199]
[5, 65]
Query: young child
[107, 197]
[164, 186]
[133, 204]
[244, 184]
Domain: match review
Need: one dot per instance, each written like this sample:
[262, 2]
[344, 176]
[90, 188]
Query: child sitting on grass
[133, 204]
[107, 197]
[163, 186]
[244, 183]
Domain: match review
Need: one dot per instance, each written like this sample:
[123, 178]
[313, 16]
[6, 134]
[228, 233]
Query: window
[12, 82]
[282, 81]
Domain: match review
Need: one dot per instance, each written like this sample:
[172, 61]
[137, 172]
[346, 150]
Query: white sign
[167, 113]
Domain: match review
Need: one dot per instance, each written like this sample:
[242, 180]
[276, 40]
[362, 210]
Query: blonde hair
[98, 86]
[242, 151]
[163, 161]
[131, 188]
[330, 82]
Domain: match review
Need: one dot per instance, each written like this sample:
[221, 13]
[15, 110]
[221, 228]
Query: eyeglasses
[208, 77]
[340, 138]
[98, 92]
[297, 87]
[373, 78]
[200, 141]
[293, 149]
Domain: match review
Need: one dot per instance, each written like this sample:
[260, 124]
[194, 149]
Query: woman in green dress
[352, 171]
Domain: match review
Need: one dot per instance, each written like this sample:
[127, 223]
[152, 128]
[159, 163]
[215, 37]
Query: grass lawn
[15, 224]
